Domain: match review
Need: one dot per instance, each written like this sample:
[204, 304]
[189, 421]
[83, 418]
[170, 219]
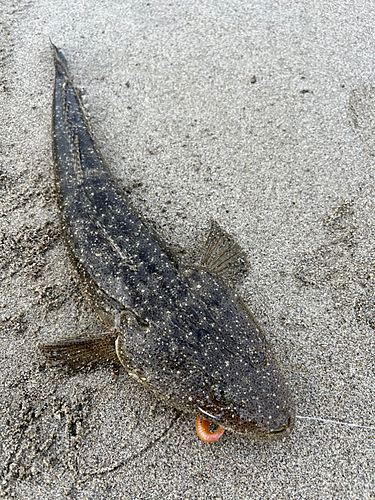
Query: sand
[259, 115]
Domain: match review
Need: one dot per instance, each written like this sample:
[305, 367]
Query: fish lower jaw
[258, 433]
[276, 434]
[263, 436]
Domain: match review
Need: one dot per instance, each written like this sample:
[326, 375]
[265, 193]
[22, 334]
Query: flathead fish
[181, 331]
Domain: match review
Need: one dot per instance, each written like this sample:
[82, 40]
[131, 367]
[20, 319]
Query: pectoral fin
[80, 352]
[222, 255]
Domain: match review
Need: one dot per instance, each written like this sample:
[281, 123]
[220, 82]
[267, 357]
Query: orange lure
[203, 431]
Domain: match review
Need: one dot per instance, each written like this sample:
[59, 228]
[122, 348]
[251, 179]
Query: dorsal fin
[221, 255]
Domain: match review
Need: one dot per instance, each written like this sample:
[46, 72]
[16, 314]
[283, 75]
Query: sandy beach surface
[260, 115]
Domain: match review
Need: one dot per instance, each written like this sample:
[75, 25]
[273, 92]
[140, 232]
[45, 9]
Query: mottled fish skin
[183, 333]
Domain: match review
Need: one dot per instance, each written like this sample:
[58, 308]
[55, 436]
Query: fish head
[208, 355]
[243, 383]
[249, 395]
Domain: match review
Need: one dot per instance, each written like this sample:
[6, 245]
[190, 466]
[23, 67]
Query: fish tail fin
[81, 352]
[60, 58]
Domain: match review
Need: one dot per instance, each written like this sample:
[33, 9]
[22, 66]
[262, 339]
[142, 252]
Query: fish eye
[142, 322]
[257, 357]
[220, 394]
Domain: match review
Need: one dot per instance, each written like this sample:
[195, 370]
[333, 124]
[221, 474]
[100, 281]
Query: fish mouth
[252, 429]
[271, 434]
[284, 430]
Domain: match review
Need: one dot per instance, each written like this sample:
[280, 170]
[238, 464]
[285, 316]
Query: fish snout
[266, 425]
[283, 425]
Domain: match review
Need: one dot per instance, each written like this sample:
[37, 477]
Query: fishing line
[336, 422]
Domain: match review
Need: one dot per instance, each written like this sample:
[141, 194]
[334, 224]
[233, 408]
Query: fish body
[180, 331]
